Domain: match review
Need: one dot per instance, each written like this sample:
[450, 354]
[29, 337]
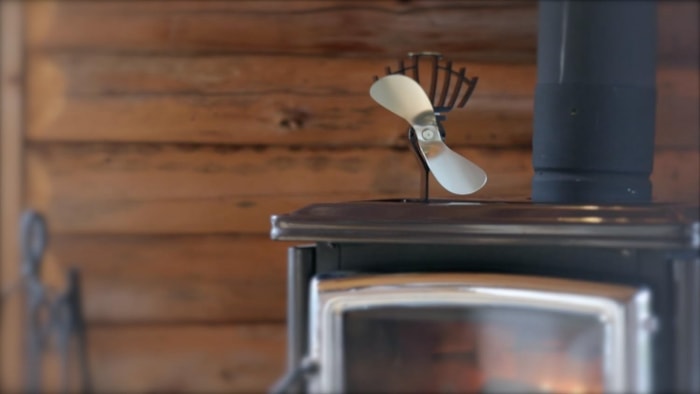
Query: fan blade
[402, 96]
[407, 99]
[454, 172]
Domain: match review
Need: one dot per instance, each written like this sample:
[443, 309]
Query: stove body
[483, 264]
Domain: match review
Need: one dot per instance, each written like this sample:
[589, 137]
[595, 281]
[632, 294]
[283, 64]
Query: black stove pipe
[595, 99]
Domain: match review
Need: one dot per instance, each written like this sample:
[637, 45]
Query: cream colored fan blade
[454, 172]
[402, 96]
[406, 98]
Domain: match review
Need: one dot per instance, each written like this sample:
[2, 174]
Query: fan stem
[424, 182]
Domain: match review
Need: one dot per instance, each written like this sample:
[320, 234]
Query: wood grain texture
[270, 119]
[309, 101]
[186, 358]
[212, 189]
[254, 100]
[474, 29]
[177, 278]
[496, 30]
[86, 74]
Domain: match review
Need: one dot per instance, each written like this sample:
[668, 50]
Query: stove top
[470, 222]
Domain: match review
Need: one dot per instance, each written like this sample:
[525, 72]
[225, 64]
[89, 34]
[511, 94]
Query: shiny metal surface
[623, 311]
[465, 222]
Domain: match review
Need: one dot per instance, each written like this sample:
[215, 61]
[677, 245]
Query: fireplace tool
[53, 317]
[405, 97]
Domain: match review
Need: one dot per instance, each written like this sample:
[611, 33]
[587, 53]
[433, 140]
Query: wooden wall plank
[171, 189]
[309, 101]
[475, 29]
[87, 74]
[270, 119]
[186, 359]
[496, 30]
[173, 172]
[12, 96]
[188, 216]
[177, 278]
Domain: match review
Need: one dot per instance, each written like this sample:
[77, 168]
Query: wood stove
[588, 287]
[468, 296]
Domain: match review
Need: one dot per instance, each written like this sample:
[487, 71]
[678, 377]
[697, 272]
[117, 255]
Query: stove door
[478, 333]
[473, 349]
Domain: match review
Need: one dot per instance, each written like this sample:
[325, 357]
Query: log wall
[161, 135]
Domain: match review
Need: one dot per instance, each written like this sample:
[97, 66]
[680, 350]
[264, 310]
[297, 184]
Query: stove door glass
[472, 349]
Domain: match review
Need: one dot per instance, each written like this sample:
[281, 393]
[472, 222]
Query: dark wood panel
[83, 74]
[186, 359]
[174, 189]
[496, 30]
[177, 278]
[309, 101]
[99, 74]
[474, 29]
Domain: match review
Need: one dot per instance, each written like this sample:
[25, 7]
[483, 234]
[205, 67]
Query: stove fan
[405, 97]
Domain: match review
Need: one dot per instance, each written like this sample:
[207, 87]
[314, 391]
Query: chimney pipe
[595, 99]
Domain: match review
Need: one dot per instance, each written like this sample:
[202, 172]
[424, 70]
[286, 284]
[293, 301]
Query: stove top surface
[449, 221]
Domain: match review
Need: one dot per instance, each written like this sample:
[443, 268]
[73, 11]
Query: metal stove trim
[628, 341]
[655, 226]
